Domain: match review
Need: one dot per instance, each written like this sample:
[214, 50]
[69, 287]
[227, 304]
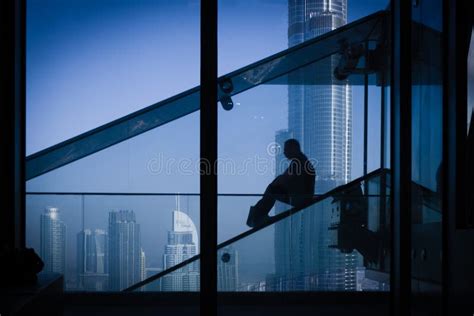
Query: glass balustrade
[352, 220]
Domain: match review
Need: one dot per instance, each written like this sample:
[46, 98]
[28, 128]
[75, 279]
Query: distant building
[360, 276]
[254, 287]
[92, 260]
[182, 245]
[154, 286]
[125, 253]
[228, 270]
[142, 265]
[53, 241]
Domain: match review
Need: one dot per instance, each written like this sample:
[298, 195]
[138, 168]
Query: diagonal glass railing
[357, 217]
[271, 70]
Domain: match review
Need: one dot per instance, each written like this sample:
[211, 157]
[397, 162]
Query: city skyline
[92, 255]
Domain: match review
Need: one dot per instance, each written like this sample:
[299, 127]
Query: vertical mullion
[449, 197]
[208, 145]
[20, 121]
[383, 112]
[383, 180]
[12, 114]
[401, 157]
[366, 106]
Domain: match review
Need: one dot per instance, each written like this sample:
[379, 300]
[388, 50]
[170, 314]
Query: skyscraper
[320, 118]
[182, 245]
[124, 250]
[142, 265]
[92, 260]
[53, 241]
[227, 269]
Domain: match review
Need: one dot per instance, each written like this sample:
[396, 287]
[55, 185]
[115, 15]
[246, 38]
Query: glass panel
[51, 226]
[162, 160]
[280, 23]
[250, 158]
[373, 131]
[302, 99]
[314, 107]
[387, 117]
[166, 159]
[188, 102]
[357, 222]
[110, 242]
[90, 62]
[128, 197]
[427, 147]
[233, 212]
[121, 59]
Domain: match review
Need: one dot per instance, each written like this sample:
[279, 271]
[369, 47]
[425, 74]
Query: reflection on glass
[427, 148]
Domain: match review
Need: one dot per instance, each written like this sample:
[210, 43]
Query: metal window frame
[13, 117]
[208, 139]
[208, 145]
[400, 153]
[459, 17]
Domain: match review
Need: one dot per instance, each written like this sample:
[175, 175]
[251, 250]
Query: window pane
[92, 61]
[427, 148]
[309, 104]
[119, 203]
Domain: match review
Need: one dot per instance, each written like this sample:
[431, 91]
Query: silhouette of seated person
[295, 186]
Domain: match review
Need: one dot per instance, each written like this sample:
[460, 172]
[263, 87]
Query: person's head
[292, 148]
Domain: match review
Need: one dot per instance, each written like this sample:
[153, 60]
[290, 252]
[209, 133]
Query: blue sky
[90, 62]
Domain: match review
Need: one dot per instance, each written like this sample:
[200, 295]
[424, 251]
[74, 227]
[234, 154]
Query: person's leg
[275, 191]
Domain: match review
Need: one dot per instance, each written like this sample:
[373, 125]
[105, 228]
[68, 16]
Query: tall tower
[124, 250]
[53, 241]
[228, 269]
[92, 260]
[182, 245]
[142, 265]
[320, 118]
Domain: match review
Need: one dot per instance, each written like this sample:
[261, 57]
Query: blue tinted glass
[90, 62]
[357, 218]
[427, 148]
